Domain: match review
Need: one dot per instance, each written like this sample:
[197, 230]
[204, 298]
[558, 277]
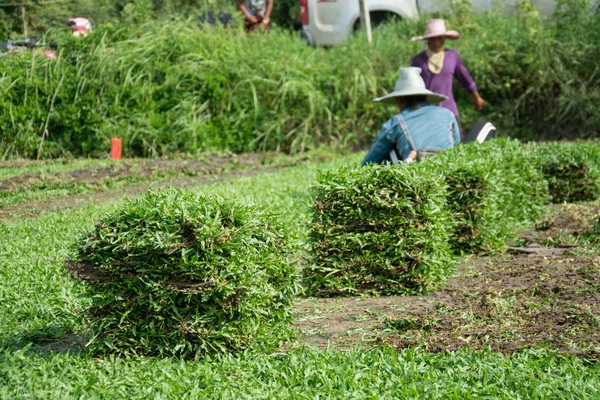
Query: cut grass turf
[37, 296]
[184, 274]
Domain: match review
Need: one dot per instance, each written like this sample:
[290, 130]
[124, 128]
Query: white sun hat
[410, 83]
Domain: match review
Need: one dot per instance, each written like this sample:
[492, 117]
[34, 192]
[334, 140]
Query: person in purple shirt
[439, 65]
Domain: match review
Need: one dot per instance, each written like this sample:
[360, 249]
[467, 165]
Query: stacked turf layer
[379, 229]
[571, 169]
[176, 273]
[493, 188]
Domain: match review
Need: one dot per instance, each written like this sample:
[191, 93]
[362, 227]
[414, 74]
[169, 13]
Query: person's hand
[477, 101]
[251, 18]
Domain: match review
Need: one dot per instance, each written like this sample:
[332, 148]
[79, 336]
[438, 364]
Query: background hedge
[164, 86]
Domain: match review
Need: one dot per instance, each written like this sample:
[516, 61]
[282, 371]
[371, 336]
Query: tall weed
[165, 86]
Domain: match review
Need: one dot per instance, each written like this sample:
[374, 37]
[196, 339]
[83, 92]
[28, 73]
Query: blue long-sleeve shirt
[429, 126]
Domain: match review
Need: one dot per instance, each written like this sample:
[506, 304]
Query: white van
[327, 22]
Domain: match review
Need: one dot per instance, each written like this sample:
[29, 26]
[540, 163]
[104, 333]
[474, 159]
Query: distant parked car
[328, 22]
[31, 43]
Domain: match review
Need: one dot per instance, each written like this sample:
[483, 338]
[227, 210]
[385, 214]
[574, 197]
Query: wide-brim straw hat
[410, 83]
[437, 28]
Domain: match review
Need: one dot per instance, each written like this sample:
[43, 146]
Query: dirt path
[208, 164]
[531, 296]
[34, 209]
[152, 173]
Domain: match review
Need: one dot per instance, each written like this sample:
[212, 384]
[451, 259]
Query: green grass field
[41, 355]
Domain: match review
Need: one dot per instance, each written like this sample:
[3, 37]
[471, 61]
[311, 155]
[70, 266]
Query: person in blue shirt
[419, 129]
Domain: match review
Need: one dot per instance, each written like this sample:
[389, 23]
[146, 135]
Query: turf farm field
[520, 321]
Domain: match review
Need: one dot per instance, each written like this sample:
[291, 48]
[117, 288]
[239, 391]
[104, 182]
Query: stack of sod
[493, 188]
[177, 273]
[379, 229]
[572, 169]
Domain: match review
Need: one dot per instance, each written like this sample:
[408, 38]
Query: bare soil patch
[208, 164]
[34, 209]
[152, 173]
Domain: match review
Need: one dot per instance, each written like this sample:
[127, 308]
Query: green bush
[571, 169]
[379, 229]
[165, 86]
[176, 273]
[493, 188]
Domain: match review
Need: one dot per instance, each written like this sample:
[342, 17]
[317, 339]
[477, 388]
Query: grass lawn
[41, 354]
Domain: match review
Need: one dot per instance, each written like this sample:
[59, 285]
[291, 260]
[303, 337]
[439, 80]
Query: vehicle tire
[378, 18]
[305, 35]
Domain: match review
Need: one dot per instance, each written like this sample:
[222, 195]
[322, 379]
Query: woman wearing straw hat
[419, 129]
[439, 65]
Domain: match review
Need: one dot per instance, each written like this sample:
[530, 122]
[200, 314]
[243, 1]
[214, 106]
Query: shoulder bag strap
[407, 134]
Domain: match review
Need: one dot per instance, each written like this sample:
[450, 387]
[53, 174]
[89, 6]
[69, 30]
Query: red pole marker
[115, 148]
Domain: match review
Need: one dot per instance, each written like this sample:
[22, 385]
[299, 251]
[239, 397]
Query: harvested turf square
[571, 169]
[379, 229]
[493, 188]
[177, 273]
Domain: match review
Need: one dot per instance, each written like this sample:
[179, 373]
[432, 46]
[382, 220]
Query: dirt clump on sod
[178, 273]
[379, 229]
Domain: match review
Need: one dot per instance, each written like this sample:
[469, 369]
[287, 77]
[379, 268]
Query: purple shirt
[442, 82]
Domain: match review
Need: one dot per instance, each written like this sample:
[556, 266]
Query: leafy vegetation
[39, 15]
[22, 181]
[165, 86]
[391, 229]
[303, 374]
[493, 188]
[41, 352]
[40, 300]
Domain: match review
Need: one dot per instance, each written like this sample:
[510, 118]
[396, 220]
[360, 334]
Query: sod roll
[178, 273]
[572, 169]
[379, 229]
[493, 188]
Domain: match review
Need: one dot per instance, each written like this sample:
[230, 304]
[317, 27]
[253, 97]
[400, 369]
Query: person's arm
[477, 100]
[247, 15]
[413, 62]
[464, 78]
[269, 10]
[382, 145]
